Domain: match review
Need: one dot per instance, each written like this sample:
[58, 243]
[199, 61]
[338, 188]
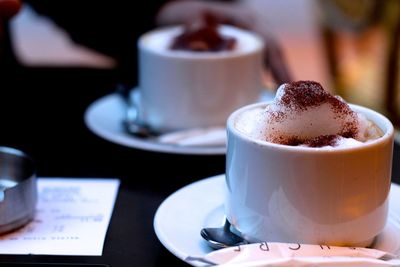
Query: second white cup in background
[185, 89]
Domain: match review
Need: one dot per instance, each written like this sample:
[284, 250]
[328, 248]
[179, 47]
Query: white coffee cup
[185, 89]
[308, 195]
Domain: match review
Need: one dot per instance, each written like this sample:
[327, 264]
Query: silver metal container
[18, 189]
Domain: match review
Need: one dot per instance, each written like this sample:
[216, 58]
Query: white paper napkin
[283, 254]
[212, 136]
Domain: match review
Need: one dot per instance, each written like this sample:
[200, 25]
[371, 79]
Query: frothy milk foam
[304, 114]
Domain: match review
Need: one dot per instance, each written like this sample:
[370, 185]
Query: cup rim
[187, 55]
[388, 132]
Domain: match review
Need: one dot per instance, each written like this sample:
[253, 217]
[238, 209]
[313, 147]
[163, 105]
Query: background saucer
[104, 118]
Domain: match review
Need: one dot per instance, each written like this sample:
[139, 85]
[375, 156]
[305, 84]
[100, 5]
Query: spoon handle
[222, 237]
[131, 122]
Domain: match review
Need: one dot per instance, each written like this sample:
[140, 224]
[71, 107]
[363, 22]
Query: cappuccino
[308, 168]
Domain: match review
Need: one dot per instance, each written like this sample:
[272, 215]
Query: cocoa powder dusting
[278, 116]
[322, 140]
[299, 96]
[349, 130]
[319, 141]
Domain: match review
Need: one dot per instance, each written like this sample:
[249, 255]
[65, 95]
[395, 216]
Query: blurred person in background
[113, 29]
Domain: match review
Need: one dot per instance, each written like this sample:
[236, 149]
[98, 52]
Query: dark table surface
[42, 111]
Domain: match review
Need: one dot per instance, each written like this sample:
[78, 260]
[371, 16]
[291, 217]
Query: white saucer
[181, 216]
[104, 118]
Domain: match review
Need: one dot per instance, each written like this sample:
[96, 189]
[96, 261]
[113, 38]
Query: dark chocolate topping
[203, 36]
